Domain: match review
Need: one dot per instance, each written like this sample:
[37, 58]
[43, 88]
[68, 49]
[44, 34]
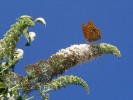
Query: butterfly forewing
[84, 28]
[91, 25]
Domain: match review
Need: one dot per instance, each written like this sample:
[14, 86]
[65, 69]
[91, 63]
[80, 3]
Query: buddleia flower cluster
[66, 58]
[45, 75]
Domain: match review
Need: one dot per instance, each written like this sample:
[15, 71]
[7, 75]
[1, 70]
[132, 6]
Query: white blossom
[81, 53]
[77, 54]
[19, 53]
[32, 36]
[10, 97]
[39, 19]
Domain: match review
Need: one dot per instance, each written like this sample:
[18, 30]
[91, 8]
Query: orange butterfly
[91, 33]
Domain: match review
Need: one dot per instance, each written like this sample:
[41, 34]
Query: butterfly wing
[85, 31]
[98, 34]
[95, 33]
[91, 25]
[91, 33]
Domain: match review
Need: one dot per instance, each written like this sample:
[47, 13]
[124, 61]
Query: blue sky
[109, 78]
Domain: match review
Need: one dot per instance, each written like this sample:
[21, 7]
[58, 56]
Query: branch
[8, 43]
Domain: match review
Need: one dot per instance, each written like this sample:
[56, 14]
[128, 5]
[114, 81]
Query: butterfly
[91, 33]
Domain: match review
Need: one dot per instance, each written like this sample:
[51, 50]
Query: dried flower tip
[41, 20]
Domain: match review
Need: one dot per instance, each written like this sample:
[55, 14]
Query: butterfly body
[91, 33]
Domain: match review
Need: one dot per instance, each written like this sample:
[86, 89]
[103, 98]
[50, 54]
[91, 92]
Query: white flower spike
[39, 19]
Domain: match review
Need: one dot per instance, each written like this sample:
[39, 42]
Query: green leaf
[2, 85]
[19, 98]
[45, 96]
[3, 88]
[25, 96]
[26, 34]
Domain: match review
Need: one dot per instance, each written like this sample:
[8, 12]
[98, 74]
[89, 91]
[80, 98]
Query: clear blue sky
[109, 78]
